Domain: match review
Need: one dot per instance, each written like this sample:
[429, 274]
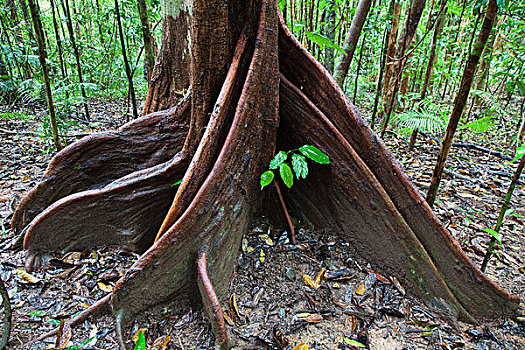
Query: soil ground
[271, 305]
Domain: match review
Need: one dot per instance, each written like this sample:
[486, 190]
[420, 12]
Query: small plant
[299, 164]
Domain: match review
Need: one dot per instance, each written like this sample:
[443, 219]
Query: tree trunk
[59, 41]
[126, 63]
[412, 21]
[171, 73]
[383, 67]
[361, 13]
[461, 99]
[42, 56]
[431, 62]
[65, 5]
[149, 44]
[254, 89]
[329, 32]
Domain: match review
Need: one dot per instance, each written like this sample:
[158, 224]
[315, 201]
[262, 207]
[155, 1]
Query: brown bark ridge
[361, 13]
[171, 73]
[461, 98]
[273, 93]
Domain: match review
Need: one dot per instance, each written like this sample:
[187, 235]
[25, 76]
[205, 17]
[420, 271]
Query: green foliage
[141, 342]
[299, 164]
[429, 118]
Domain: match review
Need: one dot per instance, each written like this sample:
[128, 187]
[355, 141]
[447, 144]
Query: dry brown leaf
[63, 336]
[105, 287]
[161, 343]
[314, 318]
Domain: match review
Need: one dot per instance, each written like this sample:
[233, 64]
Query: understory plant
[299, 164]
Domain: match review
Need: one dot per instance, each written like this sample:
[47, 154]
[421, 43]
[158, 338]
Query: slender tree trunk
[358, 67]
[502, 212]
[63, 68]
[412, 21]
[126, 63]
[25, 14]
[431, 63]
[42, 55]
[149, 45]
[77, 57]
[391, 49]
[382, 68]
[461, 99]
[361, 13]
[330, 34]
[99, 25]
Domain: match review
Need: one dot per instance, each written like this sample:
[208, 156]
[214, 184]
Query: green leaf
[141, 343]
[354, 343]
[495, 234]
[314, 154]
[176, 183]
[479, 125]
[266, 178]
[323, 40]
[286, 174]
[520, 151]
[278, 160]
[299, 166]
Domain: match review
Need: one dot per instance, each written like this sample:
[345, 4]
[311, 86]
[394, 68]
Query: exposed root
[6, 309]
[119, 321]
[99, 307]
[211, 302]
[285, 212]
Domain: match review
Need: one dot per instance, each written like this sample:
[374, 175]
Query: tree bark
[461, 99]
[361, 13]
[254, 89]
[171, 73]
[42, 56]
[149, 44]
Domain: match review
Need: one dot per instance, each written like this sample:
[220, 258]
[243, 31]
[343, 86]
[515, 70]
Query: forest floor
[270, 305]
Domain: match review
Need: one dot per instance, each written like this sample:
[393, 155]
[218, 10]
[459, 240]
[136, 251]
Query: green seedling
[298, 164]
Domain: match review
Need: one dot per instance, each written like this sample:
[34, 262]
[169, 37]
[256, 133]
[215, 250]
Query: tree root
[285, 213]
[97, 160]
[211, 302]
[99, 307]
[6, 309]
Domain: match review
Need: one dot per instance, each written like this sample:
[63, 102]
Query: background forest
[72, 67]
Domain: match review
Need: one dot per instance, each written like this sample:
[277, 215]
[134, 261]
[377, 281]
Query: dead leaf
[135, 337]
[63, 336]
[360, 290]
[105, 287]
[398, 285]
[310, 282]
[314, 318]
[233, 304]
[228, 319]
[301, 346]
[320, 276]
[161, 343]
[27, 277]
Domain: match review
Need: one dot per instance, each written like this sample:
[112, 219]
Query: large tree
[254, 90]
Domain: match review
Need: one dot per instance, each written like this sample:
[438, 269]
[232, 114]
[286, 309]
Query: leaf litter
[317, 294]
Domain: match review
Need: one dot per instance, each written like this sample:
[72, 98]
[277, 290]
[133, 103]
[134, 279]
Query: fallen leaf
[360, 290]
[27, 277]
[105, 287]
[301, 346]
[63, 336]
[320, 276]
[310, 282]
[161, 343]
[398, 285]
[136, 336]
